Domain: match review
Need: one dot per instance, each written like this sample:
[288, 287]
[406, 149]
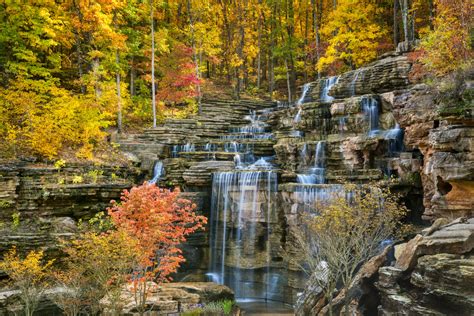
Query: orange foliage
[160, 221]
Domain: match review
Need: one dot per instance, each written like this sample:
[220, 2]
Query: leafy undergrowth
[226, 307]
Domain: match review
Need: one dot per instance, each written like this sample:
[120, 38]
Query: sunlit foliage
[29, 275]
[350, 229]
[448, 47]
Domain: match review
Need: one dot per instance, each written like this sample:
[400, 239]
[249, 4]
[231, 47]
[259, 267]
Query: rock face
[175, 298]
[439, 278]
[165, 299]
[366, 125]
[442, 130]
[48, 201]
[387, 74]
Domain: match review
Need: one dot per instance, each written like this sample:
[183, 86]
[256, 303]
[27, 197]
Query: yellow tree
[28, 275]
[350, 228]
[96, 269]
[448, 46]
[351, 33]
[37, 115]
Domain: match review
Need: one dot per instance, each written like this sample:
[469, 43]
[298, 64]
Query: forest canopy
[70, 70]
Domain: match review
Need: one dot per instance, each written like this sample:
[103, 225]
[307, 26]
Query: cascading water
[310, 197]
[209, 147]
[297, 117]
[328, 83]
[158, 171]
[370, 106]
[358, 73]
[242, 213]
[342, 124]
[394, 137]
[309, 192]
[303, 97]
[188, 147]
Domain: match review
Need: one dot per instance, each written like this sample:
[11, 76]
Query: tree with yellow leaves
[97, 267]
[351, 33]
[28, 275]
[349, 229]
[448, 47]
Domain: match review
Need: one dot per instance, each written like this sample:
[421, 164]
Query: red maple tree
[160, 221]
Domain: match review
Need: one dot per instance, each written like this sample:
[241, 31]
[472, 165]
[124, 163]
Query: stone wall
[48, 202]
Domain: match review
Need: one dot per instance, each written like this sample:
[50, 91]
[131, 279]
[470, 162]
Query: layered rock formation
[165, 299]
[342, 130]
[433, 274]
[256, 168]
[41, 204]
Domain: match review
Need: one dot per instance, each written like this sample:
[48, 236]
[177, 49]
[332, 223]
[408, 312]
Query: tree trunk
[97, 78]
[271, 66]
[79, 64]
[132, 79]
[288, 82]
[404, 10]
[316, 34]
[259, 44]
[197, 59]
[78, 49]
[119, 95]
[396, 36]
[306, 45]
[153, 93]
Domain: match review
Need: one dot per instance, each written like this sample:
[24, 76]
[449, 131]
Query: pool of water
[269, 308]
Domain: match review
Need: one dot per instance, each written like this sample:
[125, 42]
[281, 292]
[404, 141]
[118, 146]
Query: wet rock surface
[366, 125]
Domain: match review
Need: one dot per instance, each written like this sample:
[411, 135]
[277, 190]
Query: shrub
[159, 220]
[97, 266]
[347, 232]
[28, 275]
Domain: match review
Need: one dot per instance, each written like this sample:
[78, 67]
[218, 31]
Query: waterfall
[157, 172]
[358, 73]
[188, 147]
[242, 210]
[305, 91]
[328, 83]
[241, 202]
[303, 155]
[235, 147]
[370, 106]
[314, 175]
[395, 140]
[319, 155]
[312, 197]
[342, 124]
[209, 147]
[297, 117]
[296, 134]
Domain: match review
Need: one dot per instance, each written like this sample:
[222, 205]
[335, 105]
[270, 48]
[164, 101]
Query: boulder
[433, 274]
[171, 298]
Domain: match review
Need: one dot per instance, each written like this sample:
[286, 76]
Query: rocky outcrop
[40, 204]
[442, 130]
[174, 298]
[433, 274]
[363, 297]
[390, 72]
[164, 299]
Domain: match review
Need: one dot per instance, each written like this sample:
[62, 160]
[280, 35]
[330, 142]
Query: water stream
[242, 214]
